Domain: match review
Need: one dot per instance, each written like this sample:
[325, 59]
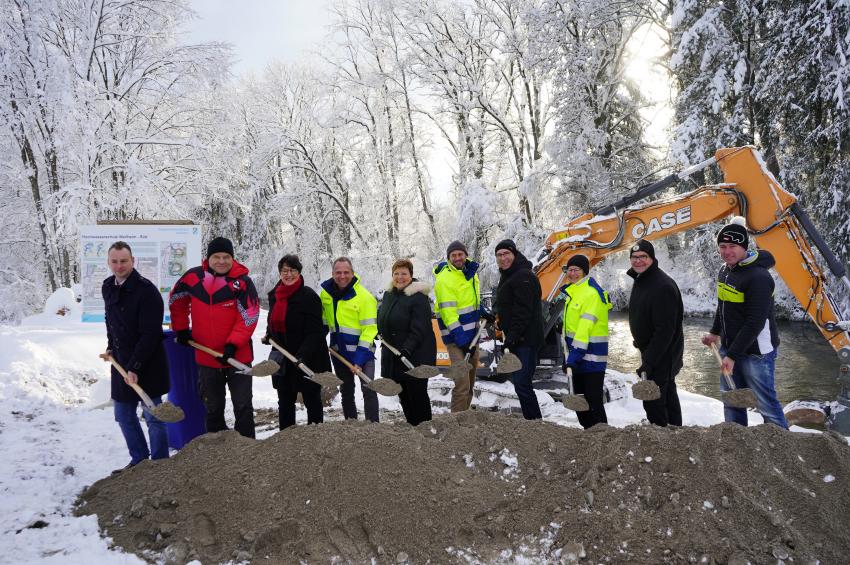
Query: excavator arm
[774, 218]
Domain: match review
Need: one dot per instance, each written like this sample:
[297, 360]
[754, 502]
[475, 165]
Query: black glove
[265, 340]
[469, 349]
[510, 345]
[229, 351]
[183, 337]
[644, 368]
[571, 366]
[487, 315]
[404, 353]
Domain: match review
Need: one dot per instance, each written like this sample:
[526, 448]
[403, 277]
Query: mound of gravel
[481, 487]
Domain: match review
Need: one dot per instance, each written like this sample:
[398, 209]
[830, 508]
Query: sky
[261, 30]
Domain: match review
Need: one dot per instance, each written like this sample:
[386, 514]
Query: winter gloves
[229, 351]
[183, 337]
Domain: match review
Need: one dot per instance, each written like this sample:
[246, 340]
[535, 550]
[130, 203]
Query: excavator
[774, 219]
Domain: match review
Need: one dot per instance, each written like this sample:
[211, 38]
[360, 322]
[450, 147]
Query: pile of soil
[482, 487]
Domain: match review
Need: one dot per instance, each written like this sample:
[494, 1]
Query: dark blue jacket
[134, 333]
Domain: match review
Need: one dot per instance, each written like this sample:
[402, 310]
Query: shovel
[734, 397]
[420, 372]
[646, 389]
[326, 378]
[459, 370]
[261, 369]
[165, 412]
[384, 387]
[573, 401]
[509, 363]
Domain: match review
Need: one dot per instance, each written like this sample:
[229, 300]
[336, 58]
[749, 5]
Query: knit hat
[645, 246]
[734, 232]
[579, 261]
[456, 246]
[220, 245]
[507, 244]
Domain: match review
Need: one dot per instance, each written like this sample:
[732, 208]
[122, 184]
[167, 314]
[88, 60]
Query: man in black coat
[655, 318]
[520, 319]
[134, 309]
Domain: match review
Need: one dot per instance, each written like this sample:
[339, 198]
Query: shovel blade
[424, 372]
[385, 387]
[263, 369]
[167, 412]
[327, 379]
[739, 398]
[509, 363]
[646, 390]
[576, 403]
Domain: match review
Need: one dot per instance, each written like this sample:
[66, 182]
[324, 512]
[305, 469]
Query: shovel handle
[231, 361]
[570, 380]
[142, 394]
[397, 353]
[481, 325]
[729, 382]
[348, 364]
[292, 358]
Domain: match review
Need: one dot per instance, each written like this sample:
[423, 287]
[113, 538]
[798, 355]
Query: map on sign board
[162, 253]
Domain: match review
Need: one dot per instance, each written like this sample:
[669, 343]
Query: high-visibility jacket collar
[470, 267]
[347, 293]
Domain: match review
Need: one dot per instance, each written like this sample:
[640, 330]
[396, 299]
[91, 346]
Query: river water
[806, 367]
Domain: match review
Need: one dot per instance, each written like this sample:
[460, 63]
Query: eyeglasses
[288, 271]
[639, 257]
[574, 270]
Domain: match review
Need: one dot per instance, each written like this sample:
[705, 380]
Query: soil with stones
[485, 488]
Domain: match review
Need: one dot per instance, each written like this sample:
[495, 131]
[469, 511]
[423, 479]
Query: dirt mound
[479, 487]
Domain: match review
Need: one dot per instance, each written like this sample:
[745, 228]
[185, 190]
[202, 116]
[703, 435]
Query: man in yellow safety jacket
[350, 312]
[456, 289]
[586, 332]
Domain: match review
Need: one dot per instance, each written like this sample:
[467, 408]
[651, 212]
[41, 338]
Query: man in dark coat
[520, 319]
[655, 318]
[134, 311]
[404, 321]
[295, 323]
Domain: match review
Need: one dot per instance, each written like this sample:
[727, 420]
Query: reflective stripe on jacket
[586, 325]
[457, 306]
[351, 319]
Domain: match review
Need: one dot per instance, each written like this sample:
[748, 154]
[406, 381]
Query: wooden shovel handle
[481, 325]
[292, 358]
[729, 382]
[348, 364]
[397, 353]
[142, 394]
[231, 361]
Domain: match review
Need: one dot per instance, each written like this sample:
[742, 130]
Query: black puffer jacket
[404, 320]
[518, 305]
[744, 318]
[655, 318]
[305, 335]
[134, 335]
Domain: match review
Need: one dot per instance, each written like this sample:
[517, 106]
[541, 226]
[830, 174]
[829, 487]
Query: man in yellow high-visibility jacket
[456, 289]
[586, 332]
[350, 312]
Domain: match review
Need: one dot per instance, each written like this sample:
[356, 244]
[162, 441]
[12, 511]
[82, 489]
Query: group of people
[216, 304]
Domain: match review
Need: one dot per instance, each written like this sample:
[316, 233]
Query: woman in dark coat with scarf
[404, 321]
[295, 323]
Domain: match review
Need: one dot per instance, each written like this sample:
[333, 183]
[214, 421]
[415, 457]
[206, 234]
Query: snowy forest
[109, 113]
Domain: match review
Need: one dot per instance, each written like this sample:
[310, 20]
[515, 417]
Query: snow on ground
[55, 439]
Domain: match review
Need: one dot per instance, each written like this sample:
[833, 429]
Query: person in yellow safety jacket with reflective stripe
[351, 314]
[586, 333]
[457, 294]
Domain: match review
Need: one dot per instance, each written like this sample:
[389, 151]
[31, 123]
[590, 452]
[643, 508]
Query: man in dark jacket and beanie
[520, 319]
[744, 325]
[295, 323]
[221, 299]
[655, 318]
[134, 311]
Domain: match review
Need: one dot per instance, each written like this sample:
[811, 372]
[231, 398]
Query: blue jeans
[755, 372]
[137, 445]
[522, 382]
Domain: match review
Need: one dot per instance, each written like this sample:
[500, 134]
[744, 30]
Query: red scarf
[277, 321]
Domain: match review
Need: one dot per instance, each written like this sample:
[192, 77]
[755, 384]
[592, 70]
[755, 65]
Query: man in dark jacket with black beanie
[655, 318]
[133, 310]
[520, 319]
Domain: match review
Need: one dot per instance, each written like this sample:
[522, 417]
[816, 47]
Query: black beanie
[579, 261]
[507, 244]
[645, 246]
[456, 246]
[733, 233]
[220, 245]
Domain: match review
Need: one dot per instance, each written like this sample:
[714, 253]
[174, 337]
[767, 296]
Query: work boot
[124, 468]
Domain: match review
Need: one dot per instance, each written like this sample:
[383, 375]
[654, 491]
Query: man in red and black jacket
[224, 307]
